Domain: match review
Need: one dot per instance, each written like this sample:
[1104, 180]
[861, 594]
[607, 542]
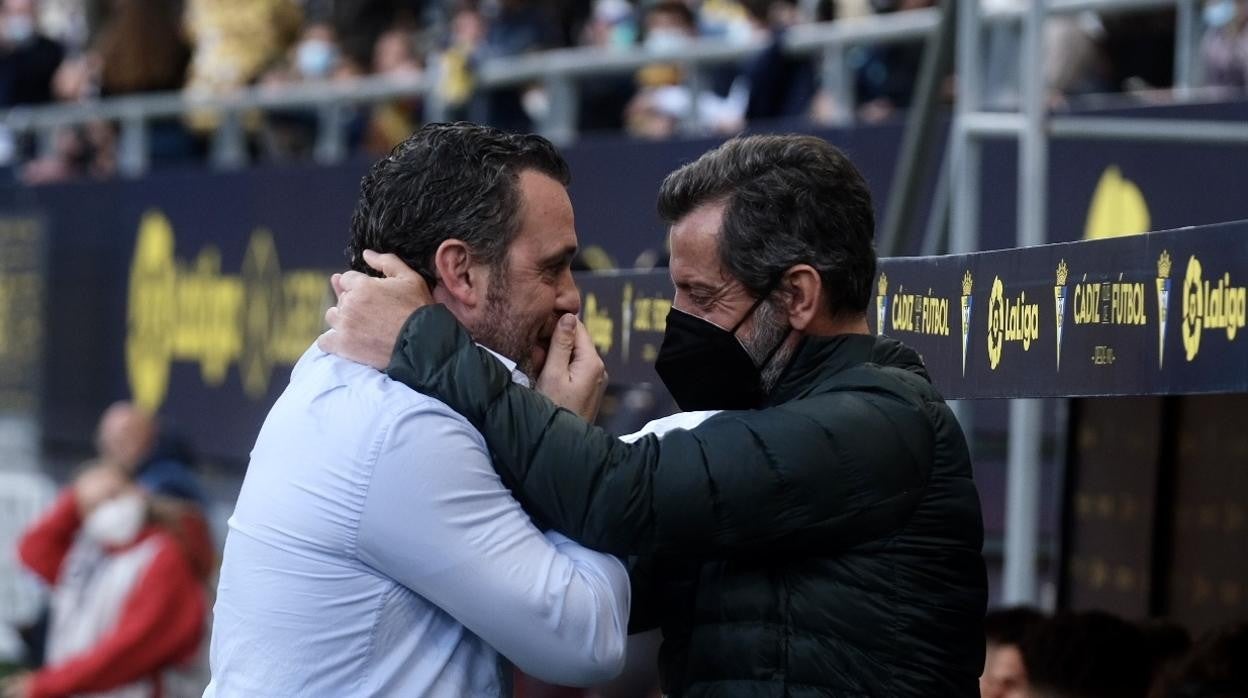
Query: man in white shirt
[358, 562]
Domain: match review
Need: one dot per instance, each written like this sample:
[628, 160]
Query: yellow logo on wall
[918, 313]
[599, 324]
[1118, 208]
[1010, 321]
[1210, 307]
[183, 312]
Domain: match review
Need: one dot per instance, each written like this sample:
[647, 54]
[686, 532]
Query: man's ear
[458, 275]
[802, 290]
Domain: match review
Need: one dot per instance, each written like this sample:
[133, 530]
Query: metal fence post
[331, 137]
[695, 82]
[132, 151]
[1022, 511]
[1187, 35]
[560, 122]
[229, 147]
[838, 82]
[964, 146]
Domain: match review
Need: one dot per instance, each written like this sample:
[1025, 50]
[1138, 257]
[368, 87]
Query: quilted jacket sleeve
[793, 476]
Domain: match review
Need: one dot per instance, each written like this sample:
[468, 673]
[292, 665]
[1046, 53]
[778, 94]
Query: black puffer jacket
[828, 545]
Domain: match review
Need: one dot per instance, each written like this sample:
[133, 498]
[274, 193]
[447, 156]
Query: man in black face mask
[821, 537]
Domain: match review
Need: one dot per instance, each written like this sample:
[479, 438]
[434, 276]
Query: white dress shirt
[374, 551]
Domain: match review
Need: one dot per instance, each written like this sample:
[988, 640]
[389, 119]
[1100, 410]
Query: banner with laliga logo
[1163, 313]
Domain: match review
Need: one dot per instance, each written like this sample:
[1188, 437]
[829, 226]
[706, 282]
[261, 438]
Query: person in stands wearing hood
[127, 572]
[822, 535]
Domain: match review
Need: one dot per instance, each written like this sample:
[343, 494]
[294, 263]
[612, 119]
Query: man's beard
[770, 331]
[502, 330]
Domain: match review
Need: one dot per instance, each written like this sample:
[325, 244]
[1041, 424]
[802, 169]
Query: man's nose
[568, 296]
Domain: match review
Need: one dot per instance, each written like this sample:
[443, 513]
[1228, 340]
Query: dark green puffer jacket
[828, 545]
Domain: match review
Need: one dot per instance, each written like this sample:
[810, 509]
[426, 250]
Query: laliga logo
[259, 318]
[1207, 307]
[1015, 321]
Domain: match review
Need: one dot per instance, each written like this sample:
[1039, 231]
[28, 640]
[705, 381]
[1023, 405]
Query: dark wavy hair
[790, 200]
[448, 181]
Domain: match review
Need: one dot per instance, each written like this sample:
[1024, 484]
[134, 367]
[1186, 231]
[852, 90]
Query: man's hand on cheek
[574, 376]
[370, 313]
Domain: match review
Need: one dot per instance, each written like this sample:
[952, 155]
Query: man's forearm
[737, 484]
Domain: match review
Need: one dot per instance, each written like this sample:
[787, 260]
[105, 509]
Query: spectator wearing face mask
[317, 58]
[663, 101]
[127, 588]
[28, 60]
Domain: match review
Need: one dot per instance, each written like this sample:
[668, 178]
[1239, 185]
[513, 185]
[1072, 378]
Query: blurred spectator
[360, 24]
[663, 101]
[1140, 49]
[885, 75]
[725, 19]
[1224, 49]
[612, 26]
[142, 49]
[779, 85]
[28, 59]
[1086, 655]
[456, 83]
[88, 150]
[157, 458]
[1217, 667]
[1005, 675]
[316, 58]
[518, 27]
[128, 596]
[234, 41]
[395, 55]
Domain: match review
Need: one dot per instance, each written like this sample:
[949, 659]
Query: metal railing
[560, 72]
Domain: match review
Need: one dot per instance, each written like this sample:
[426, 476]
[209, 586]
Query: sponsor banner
[21, 313]
[1163, 313]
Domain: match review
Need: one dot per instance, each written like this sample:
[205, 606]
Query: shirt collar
[517, 377]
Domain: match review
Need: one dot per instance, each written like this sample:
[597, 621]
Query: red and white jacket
[121, 616]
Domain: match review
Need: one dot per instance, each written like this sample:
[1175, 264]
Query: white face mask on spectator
[117, 521]
[666, 40]
[315, 58]
[18, 29]
[1219, 13]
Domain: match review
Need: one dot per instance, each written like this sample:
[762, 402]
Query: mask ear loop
[771, 288]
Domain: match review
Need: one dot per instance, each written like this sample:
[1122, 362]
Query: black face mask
[705, 367]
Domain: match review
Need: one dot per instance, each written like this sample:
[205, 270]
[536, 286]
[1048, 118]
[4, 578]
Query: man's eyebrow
[564, 255]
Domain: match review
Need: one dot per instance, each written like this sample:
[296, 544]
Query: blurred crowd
[1093, 654]
[81, 50]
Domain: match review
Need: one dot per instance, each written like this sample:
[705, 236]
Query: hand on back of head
[371, 311]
